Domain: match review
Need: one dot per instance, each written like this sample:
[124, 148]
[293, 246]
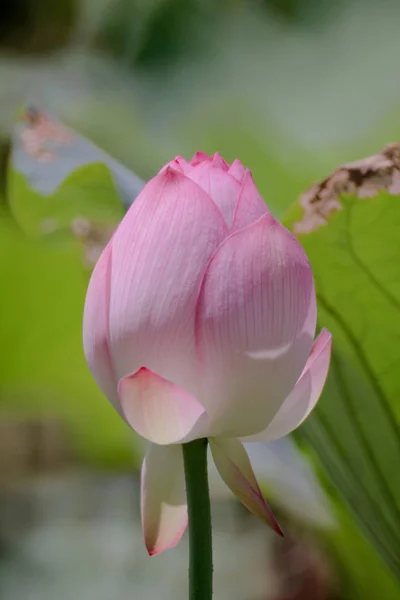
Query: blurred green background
[291, 87]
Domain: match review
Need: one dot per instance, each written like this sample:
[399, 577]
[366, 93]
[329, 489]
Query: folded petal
[237, 170]
[163, 498]
[221, 187]
[255, 324]
[96, 335]
[250, 206]
[159, 255]
[304, 395]
[235, 469]
[160, 411]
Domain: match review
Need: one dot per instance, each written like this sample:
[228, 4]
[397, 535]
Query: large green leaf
[355, 429]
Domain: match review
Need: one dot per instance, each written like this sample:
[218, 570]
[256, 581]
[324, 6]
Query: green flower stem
[200, 539]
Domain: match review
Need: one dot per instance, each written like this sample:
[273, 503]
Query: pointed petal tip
[266, 514]
[218, 161]
[173, 165]
[199, 157]
[276, 527]
[161, 544]
[233, 464]
[155, 549]
[324, 337]
[172, 171]
[237, 170]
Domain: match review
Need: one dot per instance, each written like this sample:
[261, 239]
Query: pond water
[78, 536]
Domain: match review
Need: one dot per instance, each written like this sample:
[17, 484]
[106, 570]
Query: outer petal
[160, 411]
[163, 498]
[250, 206]
[304, 395]
[237, 170]
[219, 185]
[96, 337]
[235, 469]
[160, 252]
[255, 325]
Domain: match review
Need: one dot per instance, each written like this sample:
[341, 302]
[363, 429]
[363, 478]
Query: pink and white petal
[96, 336]
[250, 206]
[219, 162]
[304, 395]
[221, 187]
[237, 170]
[160, 252]
[234, 466]
[200, 157]
[163, 498]
[160, 411]
[255, 325]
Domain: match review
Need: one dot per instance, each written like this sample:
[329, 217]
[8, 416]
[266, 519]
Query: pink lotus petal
[163, 498]
[200, 157]
[160, 411]
[304, 395]
[250, 206]
[218, 162]
[237, 170]
[96, 337]
[178, 164]
[160, 252]
[173, 164]
[255, 324]
[235, 469]
[220, 186]
[183, 164]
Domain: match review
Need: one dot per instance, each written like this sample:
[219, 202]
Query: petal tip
[218, 161]
[326, 336]
[200, 157]
[156, 547]
[172, 171]
[268, 516]
[277, 528]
